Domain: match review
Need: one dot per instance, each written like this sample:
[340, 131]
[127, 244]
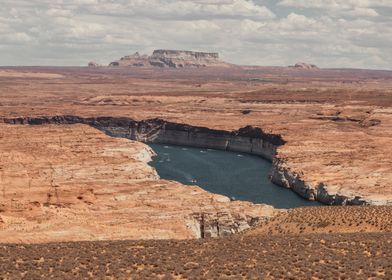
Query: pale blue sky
[330, 33]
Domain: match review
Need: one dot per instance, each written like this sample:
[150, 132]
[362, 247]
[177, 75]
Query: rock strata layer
[248, 139]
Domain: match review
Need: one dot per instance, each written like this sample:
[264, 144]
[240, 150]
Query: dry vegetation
[323, 256]
[315, 242]
[336, 219]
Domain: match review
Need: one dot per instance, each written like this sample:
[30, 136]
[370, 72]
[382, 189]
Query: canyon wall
[248, 140]
[282, 176]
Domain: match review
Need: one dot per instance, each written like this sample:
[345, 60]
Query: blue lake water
[236, 175]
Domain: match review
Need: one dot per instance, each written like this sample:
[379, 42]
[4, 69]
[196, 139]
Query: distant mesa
[307, 66]
[171, 59]
[163, 58]
[93, 64]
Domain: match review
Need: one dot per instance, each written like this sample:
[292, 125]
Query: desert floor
[62, 183]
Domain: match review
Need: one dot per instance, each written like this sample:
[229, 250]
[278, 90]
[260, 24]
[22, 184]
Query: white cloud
[362, 12]
[336, 4]
[340, 8]
[56, 12]
[18, 37]
[331, 33]
[3, 27]
[184, 10]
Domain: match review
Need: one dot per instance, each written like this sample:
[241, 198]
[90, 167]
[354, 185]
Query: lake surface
[236, 175]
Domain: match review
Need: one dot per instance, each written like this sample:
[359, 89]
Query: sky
[328, 33]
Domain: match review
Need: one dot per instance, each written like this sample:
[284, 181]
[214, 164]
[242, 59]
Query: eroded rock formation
[93, 64]
[306, 66]
[219, 224]
[171, 59]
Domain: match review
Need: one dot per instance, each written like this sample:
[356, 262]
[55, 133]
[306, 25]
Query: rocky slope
[171, 59]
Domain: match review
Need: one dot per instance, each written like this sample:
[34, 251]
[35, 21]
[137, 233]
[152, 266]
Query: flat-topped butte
[171, 59]
[182, 53]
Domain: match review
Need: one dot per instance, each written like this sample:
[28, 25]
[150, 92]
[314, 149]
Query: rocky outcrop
[282, 176]
[219, 224]
[93, 64]
[306, 66]
[135, 60]
[171, 59]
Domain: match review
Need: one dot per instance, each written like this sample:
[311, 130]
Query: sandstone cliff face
[248, 139]
[171, 59]
[282, 176]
